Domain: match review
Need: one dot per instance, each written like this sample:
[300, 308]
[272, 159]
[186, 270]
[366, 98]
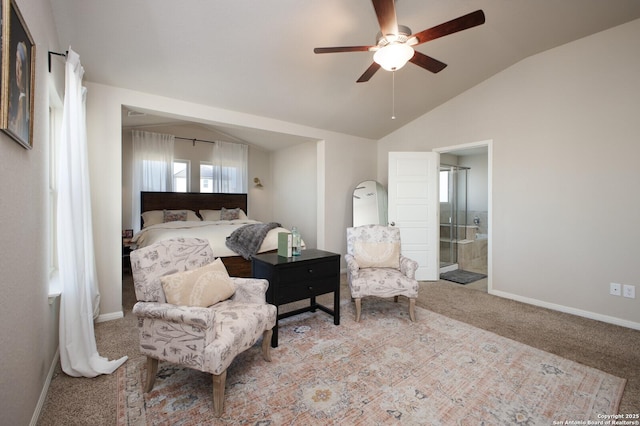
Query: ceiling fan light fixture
[393, 56]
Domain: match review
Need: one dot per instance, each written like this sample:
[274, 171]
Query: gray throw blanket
[246, 240]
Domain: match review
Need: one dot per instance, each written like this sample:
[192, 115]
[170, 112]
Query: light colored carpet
[384, 369]
[613, 349]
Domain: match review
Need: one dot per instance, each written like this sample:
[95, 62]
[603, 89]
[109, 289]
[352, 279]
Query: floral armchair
[375, 266]
[192, 332]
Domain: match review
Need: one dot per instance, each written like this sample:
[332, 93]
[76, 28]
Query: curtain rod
[57, 54]
[194, 140]
[233, 139]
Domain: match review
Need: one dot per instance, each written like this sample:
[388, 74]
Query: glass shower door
[453, 213]
[447, 252]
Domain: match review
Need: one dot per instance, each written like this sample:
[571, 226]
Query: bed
[202, 221]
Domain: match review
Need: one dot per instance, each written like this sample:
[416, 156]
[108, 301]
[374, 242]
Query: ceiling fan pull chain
[393, 95]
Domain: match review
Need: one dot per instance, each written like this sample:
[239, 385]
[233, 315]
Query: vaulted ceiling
[257, 57]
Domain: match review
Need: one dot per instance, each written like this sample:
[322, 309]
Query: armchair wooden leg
[395, 299]
[152, 370]
[412, 309]
[358, 308]
[218, 393]
[266, 344]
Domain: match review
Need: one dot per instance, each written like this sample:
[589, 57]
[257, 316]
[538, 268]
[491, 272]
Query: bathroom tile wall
[472, 256]
[483, 216]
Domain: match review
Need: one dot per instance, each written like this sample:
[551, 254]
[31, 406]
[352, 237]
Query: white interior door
[413, 207]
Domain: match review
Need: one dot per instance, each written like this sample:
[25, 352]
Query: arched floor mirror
[369, 204]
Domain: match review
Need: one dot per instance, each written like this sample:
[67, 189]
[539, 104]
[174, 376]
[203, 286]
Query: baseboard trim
[110, 316]
[568, 310]
[45, 390]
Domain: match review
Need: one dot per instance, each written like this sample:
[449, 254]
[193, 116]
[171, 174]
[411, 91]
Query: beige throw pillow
[377, 255]
[202, 287]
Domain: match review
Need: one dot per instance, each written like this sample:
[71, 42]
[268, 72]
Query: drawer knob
[311, 271]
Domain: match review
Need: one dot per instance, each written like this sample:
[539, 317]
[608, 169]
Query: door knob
[392, 224]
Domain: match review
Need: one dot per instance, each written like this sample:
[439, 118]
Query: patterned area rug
[385, 369]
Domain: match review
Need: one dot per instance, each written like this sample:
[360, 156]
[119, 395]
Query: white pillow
[204, 286]
[377, 255]
[210, 215]
[154, 217]
[213, 215]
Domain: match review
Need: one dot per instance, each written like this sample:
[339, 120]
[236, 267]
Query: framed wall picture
[4, 37]
[18, 75]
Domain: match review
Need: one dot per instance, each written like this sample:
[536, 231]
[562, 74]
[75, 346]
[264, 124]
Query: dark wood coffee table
[291, 279]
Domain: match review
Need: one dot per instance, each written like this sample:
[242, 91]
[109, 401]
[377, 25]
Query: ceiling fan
[394, 43]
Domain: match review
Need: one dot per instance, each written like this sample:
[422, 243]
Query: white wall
[295, 190]
[477, 182]
[104, 105]
[339, 163]
[346, 166]
[28, 323]
[565, 128]
[260, 200]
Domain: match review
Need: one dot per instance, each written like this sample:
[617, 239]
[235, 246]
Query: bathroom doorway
[465, 210]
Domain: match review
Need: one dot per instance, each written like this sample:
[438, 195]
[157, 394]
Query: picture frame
[17, 76]
[127, 233]
[3, 48]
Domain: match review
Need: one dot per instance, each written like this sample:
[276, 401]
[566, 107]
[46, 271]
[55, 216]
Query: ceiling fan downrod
[393, 95]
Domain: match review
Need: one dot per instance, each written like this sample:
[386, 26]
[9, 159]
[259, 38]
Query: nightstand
[126, 258]
[311, 274]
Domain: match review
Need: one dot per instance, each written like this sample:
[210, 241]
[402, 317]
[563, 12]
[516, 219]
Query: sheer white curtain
[230, 164]
[152, 167]
[80, 298]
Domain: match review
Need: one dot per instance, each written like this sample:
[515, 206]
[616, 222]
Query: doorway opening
[465, 210]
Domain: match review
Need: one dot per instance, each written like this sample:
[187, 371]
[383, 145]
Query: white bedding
[216, 232]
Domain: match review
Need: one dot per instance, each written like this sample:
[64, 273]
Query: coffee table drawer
[305, 290]
[309, 271]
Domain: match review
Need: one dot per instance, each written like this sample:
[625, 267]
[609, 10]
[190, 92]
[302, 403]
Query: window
[153, 168]
[229, 179]
[206, 177]
[55, 125]
[181, 175]
[55, 118]
[230, 162]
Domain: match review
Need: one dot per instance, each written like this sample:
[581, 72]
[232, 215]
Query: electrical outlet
[615, 289]
[629, 291]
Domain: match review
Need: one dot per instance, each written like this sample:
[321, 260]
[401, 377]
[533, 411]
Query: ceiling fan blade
[464, 22]
[369, 73]
[342, 49]
[427, 62]
[386, 13]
